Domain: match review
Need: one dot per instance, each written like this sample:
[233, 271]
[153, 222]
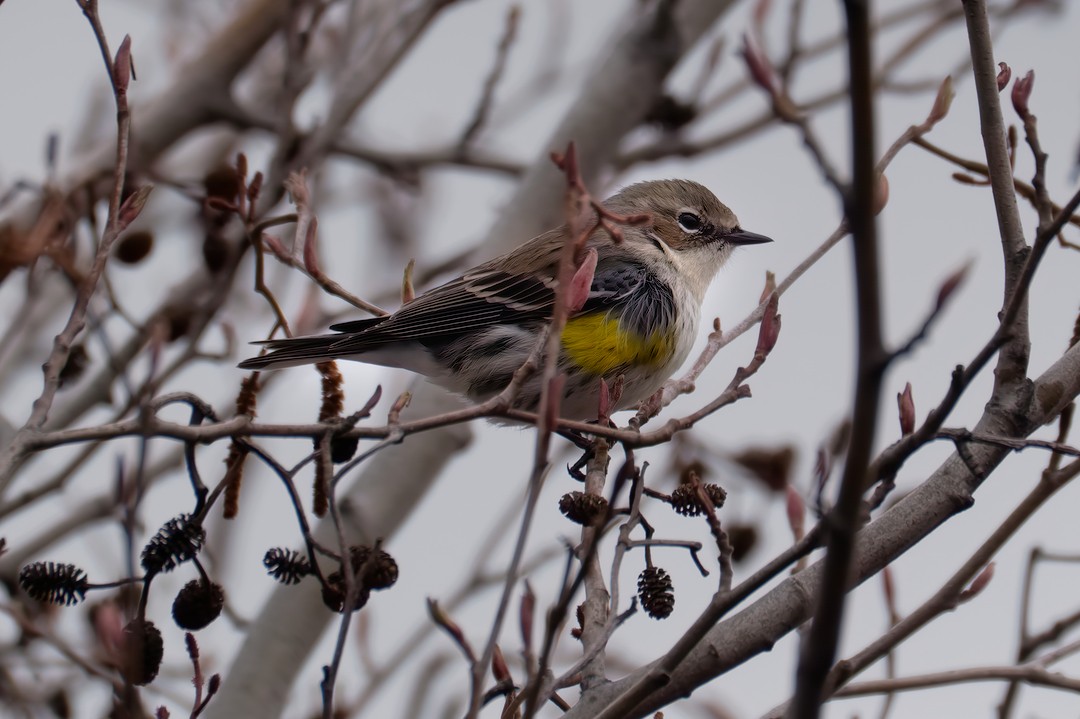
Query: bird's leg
[579, 439]
[585, 444]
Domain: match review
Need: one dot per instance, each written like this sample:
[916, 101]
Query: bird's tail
[293, 351]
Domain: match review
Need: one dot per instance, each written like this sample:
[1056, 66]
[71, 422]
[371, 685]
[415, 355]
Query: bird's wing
[483, 298]
[614, 282]
[463, 305]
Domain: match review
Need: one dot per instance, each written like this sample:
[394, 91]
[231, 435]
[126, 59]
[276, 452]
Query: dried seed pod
[197, 604]
[743, 538]
[686, 502]
[656, 593]
[585, 509]
[141, 652]
[54, 583]
[134, 247]
[333, 595]
[178, 541]
[772, 466]
[381, 572]
[222, 182]
[286, 565]
[671, 114]
[342, 449]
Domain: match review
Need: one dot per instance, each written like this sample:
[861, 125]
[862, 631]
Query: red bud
[604, 405]
[526, 614]
[134, 205]
[978, 584]
[949, 286]
[770, 287]
[761, 70]
[1003, 76]
[444, 622]
[881, 193]
[770, 329]
[942, 102]
[582, 282]
[906, 404]
[122, 66]
[796, 513]
[499, 670]
[1021, 93]
[399, 405]
[408, 293]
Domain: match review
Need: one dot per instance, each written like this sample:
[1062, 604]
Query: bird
[638, 321]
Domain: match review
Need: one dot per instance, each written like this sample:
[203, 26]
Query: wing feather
[484, 298]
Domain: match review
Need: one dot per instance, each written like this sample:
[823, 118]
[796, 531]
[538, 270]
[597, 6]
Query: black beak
[742, 237]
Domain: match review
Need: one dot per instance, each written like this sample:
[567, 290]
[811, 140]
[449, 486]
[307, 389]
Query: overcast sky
[50, 73]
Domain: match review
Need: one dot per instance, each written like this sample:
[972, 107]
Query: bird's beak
[742, 237]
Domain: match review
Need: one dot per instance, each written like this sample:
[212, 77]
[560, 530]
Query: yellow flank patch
[596, 343]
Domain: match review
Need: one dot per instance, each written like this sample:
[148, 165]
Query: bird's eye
[689, 222]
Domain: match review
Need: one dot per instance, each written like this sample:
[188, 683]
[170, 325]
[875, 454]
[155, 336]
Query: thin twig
[491, 82]
[819, 645]
[114, 225]
[948, 596]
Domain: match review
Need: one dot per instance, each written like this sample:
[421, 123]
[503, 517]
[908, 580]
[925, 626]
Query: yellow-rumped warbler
[640, 318]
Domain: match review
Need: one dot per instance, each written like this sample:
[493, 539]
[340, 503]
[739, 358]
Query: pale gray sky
[932, 225]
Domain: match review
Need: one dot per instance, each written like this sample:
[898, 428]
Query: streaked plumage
[640, 319]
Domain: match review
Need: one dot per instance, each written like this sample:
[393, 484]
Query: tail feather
[293, 351]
